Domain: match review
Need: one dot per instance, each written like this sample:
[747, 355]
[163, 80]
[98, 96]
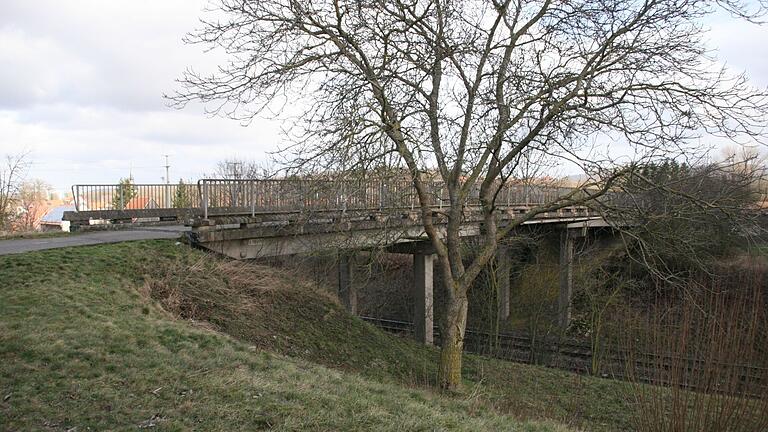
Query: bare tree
[12, 173]
[678, 218]
[470, 89]
[31, 198]
[241, 169]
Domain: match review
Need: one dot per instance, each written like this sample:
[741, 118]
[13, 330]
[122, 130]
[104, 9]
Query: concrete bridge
[248, 219]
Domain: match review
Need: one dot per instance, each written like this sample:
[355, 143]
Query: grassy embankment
[100, 338]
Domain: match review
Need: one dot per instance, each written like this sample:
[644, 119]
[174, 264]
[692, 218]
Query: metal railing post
[253, 199]
[205, 199]
[76, 196]
[338, 197]
[381, 195]
[343, 197]
[235, 193]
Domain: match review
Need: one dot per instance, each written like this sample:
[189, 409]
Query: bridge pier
[347, 290]
[566, 279]
[502, 280]
[567, 238]
[423, 283]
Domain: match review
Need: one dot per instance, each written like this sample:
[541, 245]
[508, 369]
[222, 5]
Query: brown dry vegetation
[711, 337]
[83, 346]
[112, 323]
[280, 310]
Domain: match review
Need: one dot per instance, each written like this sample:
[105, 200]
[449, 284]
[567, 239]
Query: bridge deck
[271, 234]
[316, 211]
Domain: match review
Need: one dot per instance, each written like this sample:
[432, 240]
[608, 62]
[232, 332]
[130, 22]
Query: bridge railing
[135, 196]
[291, 195]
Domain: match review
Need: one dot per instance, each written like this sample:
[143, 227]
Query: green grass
[84, 343]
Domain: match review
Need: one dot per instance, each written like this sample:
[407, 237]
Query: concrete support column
[502, 279]
[423, 265]
[347, 290]
[566, 279]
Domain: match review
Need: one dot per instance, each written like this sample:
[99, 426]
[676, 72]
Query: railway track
[576, 356]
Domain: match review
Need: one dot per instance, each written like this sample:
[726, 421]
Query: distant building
[82, 203]
[139, 203]
[53, 219]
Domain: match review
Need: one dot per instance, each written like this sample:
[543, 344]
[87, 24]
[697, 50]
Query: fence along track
[576, 356]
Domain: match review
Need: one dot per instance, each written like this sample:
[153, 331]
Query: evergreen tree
[182, 198]
[125, 192]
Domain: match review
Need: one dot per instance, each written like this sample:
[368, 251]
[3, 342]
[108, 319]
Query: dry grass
[186, 289]
[280, 310]
[275, 309]
[709, 357]
[81, 349]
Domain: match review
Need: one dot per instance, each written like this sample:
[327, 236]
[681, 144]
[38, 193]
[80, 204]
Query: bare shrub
[193, 289]
[386, 286]
[700, 363]
[536, 304]
[383, 281]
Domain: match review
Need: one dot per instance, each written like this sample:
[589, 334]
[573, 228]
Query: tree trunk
[453, 341]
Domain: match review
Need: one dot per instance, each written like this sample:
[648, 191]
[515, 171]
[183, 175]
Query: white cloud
[81, 84]
[742, 47]
[85, 145]
[119, 53]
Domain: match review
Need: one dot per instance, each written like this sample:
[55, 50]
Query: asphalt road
[91, 238]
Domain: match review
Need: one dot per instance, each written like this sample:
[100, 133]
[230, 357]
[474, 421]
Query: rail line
[576, 356]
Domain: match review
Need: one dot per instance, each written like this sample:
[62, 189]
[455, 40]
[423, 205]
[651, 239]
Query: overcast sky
[81, 84]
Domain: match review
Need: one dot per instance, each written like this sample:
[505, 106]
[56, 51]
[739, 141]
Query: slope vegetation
[156, 335]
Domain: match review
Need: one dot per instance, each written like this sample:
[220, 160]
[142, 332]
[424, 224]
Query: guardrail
[291, 195]
[288, 195]
[135, 196]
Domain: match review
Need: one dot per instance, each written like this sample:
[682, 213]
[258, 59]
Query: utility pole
[167, 183]
[232, 167]
[167, 170]
[234, 192]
